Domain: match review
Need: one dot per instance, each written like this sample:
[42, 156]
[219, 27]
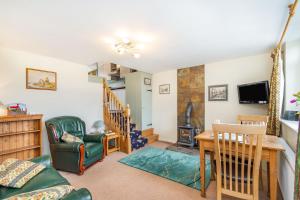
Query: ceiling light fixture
[127, 45]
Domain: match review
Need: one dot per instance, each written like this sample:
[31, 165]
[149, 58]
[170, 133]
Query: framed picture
[218, 93]
[164, 89]
[40, 79]
[147, 81]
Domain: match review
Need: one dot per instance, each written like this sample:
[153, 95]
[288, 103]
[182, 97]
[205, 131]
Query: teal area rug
[178, 167]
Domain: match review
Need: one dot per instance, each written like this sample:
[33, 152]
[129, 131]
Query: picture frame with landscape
[40, 79]
[164, 89]
[218, 93]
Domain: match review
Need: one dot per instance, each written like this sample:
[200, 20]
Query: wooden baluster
[128, 129]
[118, 123]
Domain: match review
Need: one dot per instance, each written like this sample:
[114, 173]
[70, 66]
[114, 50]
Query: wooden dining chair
[238, 151]
[253, 119]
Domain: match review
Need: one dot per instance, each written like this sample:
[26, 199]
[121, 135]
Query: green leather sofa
[49, 177]
[73, 157]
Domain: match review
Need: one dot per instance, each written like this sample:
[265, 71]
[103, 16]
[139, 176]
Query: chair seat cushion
[93, 149]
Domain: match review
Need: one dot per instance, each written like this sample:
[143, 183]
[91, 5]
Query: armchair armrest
[68, 156]
[45, 160]
[81, 194]
[66, 147]
[93, 138]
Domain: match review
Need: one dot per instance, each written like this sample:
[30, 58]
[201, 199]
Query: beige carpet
[111, 180]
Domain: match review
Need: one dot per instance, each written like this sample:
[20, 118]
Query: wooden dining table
[271, 146]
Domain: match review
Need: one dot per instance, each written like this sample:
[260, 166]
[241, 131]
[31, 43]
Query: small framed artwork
[218, 93]
[40, 79]
[147, 81]
[164, 89]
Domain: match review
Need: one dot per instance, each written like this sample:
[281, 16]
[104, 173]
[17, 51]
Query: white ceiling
[184, 32]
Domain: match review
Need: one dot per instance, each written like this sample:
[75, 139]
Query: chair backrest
[58, 125]
[239, 148]
[253, 119]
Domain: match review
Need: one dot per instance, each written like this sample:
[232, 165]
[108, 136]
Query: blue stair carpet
[137, 141]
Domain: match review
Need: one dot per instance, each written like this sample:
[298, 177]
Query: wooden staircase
[117, 117]
[149, 134]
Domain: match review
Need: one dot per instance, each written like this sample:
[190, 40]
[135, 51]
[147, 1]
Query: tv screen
[254, 93]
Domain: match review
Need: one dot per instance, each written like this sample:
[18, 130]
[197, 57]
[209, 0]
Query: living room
[109, 101]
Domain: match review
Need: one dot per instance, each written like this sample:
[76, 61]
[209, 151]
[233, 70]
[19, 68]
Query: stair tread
[152, 138]
[147, 132]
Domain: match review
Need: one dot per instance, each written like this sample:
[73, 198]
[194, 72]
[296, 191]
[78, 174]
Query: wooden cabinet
[20, 136]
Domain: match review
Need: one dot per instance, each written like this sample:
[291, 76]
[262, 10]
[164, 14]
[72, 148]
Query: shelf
[19, 149]
[18, 133]
[12, 118]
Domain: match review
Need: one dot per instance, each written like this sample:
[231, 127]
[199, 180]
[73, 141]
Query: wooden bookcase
[20, 137]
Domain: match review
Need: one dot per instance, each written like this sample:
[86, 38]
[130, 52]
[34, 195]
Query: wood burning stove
[186, 136]
[186, 133]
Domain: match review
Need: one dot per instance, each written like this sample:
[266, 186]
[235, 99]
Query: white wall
[121, 94]
[234, 72]
[74, 95]
[292, 73]
[164, 106]
[231, 72]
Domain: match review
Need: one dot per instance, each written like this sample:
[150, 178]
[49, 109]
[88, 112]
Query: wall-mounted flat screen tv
[254, 93]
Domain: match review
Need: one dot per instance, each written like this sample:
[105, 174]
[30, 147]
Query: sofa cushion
[2, 168]
[93, 149]
[56, 192]
[47, 178]
[18, 172]
[69, 138]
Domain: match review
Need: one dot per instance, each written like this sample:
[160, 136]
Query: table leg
[268, 178]
[202, 169]
[212, 166]
[273, 175]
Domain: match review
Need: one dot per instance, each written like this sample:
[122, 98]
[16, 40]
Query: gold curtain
[275, 103]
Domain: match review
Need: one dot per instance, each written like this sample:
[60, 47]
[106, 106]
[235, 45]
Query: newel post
[128, 128]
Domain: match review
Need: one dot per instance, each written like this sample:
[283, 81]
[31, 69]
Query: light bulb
[125, 40]
[140, 46]
[136, 55]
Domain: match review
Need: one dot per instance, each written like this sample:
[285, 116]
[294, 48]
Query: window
[292, 73]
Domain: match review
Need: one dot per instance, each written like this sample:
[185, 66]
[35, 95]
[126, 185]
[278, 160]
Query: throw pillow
[2, 168]
[68, 138]
[56, 192]
[18, 172]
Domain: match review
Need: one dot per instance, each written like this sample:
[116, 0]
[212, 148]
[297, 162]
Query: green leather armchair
[73, 157]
